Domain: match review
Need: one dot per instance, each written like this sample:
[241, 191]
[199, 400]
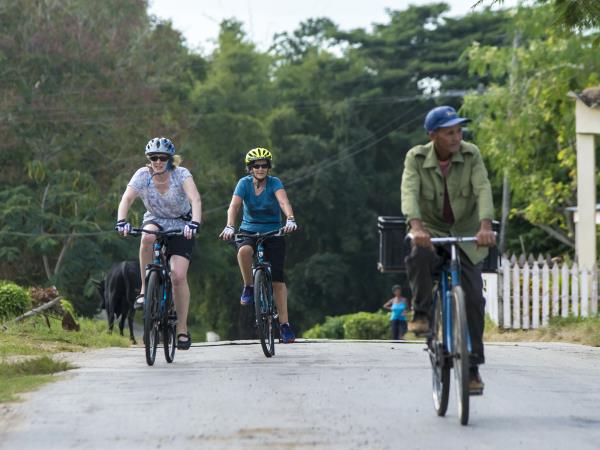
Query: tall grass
[35, 338]
[27, 375]
[577, 330]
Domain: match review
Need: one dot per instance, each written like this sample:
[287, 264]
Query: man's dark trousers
[421, 265]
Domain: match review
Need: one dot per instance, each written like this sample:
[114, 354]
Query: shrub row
[361, 325]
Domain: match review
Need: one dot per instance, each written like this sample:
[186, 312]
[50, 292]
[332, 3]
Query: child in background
[397, 305]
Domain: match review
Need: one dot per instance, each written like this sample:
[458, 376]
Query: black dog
[118, 290]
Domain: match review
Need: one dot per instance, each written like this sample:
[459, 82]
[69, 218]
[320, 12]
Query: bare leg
[280, 294]
[244, 256]
[146, 253]
[181, 290]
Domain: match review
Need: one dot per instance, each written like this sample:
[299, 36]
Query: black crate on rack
[392, 246]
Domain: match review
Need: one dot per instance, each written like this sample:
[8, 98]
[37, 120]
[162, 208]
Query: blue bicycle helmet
[160, 145]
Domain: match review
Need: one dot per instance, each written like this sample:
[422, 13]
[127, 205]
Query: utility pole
[511, 146]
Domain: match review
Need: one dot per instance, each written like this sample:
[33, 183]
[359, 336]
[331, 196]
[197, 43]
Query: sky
[199, 20]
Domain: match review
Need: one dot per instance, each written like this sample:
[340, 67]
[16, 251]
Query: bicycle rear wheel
[263, 304]
[438, 356]
[151, 324]
[461, 353]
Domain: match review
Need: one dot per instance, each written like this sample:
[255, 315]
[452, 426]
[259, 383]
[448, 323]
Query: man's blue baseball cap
[442, 117]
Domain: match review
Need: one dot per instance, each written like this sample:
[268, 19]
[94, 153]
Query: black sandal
[184, 345]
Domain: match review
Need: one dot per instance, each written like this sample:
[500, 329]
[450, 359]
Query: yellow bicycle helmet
[257, 154]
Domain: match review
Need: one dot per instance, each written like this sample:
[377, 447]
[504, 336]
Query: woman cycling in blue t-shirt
[263, 199]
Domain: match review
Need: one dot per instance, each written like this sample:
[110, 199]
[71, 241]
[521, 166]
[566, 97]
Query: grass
[576, 330]
[27, 375]
[33, 337]
[24, 350]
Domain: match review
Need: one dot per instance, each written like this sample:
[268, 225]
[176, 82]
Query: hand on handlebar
[485, 238]
[421, 238]
[290, 225]
[227, 233]
[123, 227]
[191, 229]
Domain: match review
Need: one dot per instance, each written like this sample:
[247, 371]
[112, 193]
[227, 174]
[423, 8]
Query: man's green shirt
[469, 192]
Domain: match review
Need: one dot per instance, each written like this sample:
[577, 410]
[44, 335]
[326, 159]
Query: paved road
[335, 395]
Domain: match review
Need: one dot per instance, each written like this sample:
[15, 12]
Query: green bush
[68, 306]
[364, 325]
[333, 328]
[14, 300]
[361, 325]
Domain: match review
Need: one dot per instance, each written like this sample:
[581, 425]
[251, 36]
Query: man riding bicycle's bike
[263, 199]
[172, 202]
[446, 192]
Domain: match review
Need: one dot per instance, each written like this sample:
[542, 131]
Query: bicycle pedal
[475, 392]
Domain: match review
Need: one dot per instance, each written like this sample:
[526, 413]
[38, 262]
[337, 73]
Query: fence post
[555, 291]
[516, 297]
[526, 290]
[564, 298]
[585, 292]
[594, 301]
[545, 293]
[575, 290]
[535, 308]
[506, 292]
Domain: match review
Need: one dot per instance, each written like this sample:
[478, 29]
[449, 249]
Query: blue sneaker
[247, 297]
[287, 335]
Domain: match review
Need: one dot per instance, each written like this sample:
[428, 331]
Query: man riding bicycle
[446, 192]
[263, 199]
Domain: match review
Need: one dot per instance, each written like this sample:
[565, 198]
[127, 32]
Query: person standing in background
[397, 305]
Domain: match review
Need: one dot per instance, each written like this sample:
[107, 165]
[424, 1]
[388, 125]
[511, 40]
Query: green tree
[84, 85]
[581, 14]
[525, 122]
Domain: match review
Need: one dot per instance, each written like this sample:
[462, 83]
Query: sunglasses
[260, 166]
[158, 158]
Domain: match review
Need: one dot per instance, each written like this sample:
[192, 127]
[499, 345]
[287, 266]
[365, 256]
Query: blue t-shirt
[398, 311]
[261, 212]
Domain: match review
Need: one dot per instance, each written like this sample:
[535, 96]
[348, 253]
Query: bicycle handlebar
[449, 239]
[453, 240]
[273, 233]
[138, 231]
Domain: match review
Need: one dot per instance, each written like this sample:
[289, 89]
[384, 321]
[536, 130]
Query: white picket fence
[531, 291]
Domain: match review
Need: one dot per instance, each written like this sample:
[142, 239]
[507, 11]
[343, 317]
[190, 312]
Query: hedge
[361, 325]
[14, 300]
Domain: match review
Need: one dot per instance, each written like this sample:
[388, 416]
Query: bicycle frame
[159, 263]
[449, 277]
[259, 262]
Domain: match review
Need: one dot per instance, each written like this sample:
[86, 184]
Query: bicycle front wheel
[151, 324]
[438, 356]
[263, 304]
[169, 341]
[461, 353]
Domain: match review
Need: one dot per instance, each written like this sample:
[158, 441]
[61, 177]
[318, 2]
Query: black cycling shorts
[274, 253]
[176, 245]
